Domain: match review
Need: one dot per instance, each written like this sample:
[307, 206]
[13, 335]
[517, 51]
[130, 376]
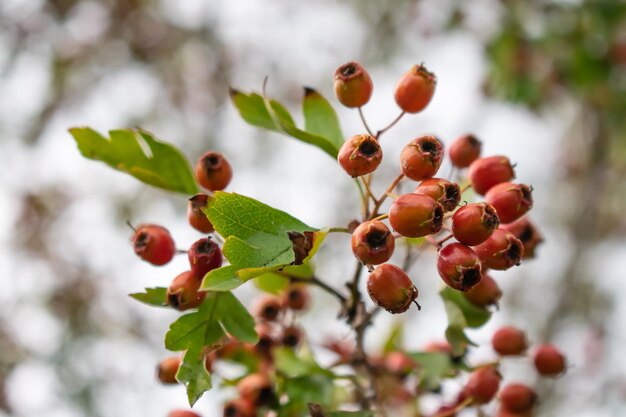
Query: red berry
[518, 398]
[153, 244]
[445, 411]
[213, 171]
[484, 173]
[509, 341]
[527, 233]
[292, 336]
[511, 201]
[167, 370]
[415, 89]
[296, 297]
[360, 155]
[459, 266]
[485, 293]
[372, 242]
[256, 388]
[353, 85]
[196, 217]
[474, 223]
[183, 294]
[501, 251]
[421, 158]
[415, 215]
[505, 412]
[266, 339]
[183, 413]
[464, 150]
[204, 256]
[399, 363]
[239, 407]
[549, 361]
[441, 346]
[447, 193]
[391, 288]
[268, 308]
[483, 384]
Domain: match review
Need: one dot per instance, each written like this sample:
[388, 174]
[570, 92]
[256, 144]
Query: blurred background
[542, 81]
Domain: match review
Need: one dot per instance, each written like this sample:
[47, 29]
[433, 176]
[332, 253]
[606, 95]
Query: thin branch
[389, 126]
[321, 284]
[365, 122]
[382, 199]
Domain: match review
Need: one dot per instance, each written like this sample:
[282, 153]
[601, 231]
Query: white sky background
[294, 43]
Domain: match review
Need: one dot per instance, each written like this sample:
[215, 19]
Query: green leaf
[194, 375]
[474, 315]
[272, 283]
[139, 154]
[433, 367]
[320, 117]
[235, 319]
[395, 339]
[153, 296]
[461, 314]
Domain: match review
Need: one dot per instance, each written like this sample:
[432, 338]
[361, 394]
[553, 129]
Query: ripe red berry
[474, 223]
[509, 341]
[266, 339]
[518, 398]
[527, 233]
[204, 256]
[501, 251]
[239, 407]
[399, 363]
[459, 267]
[511, 201]
[353, 85]
[291, 336]
[256, 388]
[391, 288]
[416, 215]
[196, 217]
[446, 193]
[483, 384]
[183, 413]
[421, 158]
[213, 171]
[549, 361]
[153, 244]
[268, 308]
[415, 89]
[372, 242]
[167, 369]
[183, 294]
[360, 155]
[485, 293]
[464, 150]
[296, 297]
[486, 172]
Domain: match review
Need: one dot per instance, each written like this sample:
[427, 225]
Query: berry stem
[367, 128]
[389, 126]
[368, 189]
[460, 406]
[381, 200]
[381, 217]
[443, 240]
[338, 230]
[364, 200]
[467, 187]
[314, 280]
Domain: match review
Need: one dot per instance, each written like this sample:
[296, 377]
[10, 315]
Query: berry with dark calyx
[196, 217]
[501, 251]
[527, 233]
[416, 215]
[511, 201]
[483, 384]
[459, 267]
[266, 339]
[167, 369]
[446, 193]
[474, 223]
[204, 256]
[415, 89]
[509, 341]
[268, 308]
[518, 398]
[360, 155]
[296, 297]
[464, 150]
[291, 336]
[421, 158]
[239, 407]
[256, 388]
[399, 363]
[372, 242]
[153, 244]
[183, 413]
[391, 288]
[485, 293]
[353, 85]
[213, 171]
[549, 361]
[486, 172]
[183, 294]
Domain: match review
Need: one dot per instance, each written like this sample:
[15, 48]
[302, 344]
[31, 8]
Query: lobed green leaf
[153, 296]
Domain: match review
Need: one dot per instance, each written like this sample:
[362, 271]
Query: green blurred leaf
[139, 154]
[395, 339]
[320, 117]
[271, 283]
[153, 296]
[194, 375]
[474, 315]
[433, 367]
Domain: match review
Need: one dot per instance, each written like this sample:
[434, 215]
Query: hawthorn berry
[256, 388]
[266, 339]
[501, 251]
[183, 294]
[446, 193]
[268, 308]
[296, 297]
[485, 293]
[167, 370]
[204, 256]
[372, 242]
[196, 217]
[360, 155]
[416, 215]
[353, 85]
[421, 158]
[213, 171]
[292, 336]
[399, 363]
[464, 150]
[474, 223]
[511, 201]
[153, 244]
[549, 361]
[527, 233]
[239, 407]
[391, 288]
[459, 266]
[483, 384]
[183, 413]
[518, 398]
[486, 172]
[509, 341]
[415, 89]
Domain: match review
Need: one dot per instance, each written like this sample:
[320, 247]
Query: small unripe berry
[183, 413]
[415, 215]
[501, 251]
[518, 398]
[196, 217]
[483, 384]
[296, 297]
[509, 341]
[372, 242]
[167, 370]
[291, 336]
[527, 233]
[360, 155]
[353, 85]
[464, 150]
[204, 256]
[268, 308]
[511, 201]
[415, 89]
[153, 244]
[421, 158]
[474, 223]
[459, 267]
[256, 388]
[391, 288]
[549, 361]
[399, 363]
[486, 172]
[183, 294]
[485, 293]
[213, 171]
[239, 407]
[446, 193]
